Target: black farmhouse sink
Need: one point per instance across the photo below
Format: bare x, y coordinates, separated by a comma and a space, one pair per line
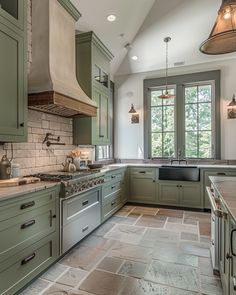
181, 173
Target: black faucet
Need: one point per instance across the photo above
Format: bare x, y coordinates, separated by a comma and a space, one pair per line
179, 160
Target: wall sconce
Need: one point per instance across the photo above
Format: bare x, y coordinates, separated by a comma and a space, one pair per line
232, 109
135, 115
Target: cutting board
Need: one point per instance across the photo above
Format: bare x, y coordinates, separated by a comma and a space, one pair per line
18, 181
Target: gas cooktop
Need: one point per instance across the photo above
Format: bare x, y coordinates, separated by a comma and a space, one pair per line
64, 176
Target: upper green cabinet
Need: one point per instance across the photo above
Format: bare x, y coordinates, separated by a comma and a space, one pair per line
12, 11
12, 74
92, 70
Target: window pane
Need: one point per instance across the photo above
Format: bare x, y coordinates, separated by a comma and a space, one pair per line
205, 116
205, 145
191, 117
155, 100
191, 94
204, 93
156, 119
168, 118
191, 144
168, 144
156, 144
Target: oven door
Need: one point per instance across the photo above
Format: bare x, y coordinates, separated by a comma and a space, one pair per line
80, 215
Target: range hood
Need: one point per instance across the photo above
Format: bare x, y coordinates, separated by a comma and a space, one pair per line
52, 83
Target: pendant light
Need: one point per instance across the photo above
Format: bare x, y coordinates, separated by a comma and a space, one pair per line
166, 94
222, 38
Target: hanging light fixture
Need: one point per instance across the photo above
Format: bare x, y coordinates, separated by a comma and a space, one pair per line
132, 110
232, 108
166, 94
222, 38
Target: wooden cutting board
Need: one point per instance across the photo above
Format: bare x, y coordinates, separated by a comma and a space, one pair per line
18, 181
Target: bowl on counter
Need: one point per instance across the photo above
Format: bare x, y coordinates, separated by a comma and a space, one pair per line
95, 166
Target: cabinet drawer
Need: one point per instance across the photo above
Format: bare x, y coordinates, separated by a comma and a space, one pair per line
80, 226
26, 203
113, 176
110, 189
112, 205
21, 268
19, 232
74, 207
143, 172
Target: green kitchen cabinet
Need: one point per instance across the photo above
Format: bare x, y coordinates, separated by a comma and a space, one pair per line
29, 234
13, 95
92, 70
168, 193
125, 185
184, 194
112, 193
142, 184
232, 279
12, 13
205, 173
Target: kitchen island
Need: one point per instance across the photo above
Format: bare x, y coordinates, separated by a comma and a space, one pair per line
223, 198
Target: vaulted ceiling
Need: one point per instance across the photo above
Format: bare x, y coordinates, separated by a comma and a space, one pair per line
144, 24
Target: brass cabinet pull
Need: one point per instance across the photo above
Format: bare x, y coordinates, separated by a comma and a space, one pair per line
27, 259
85, 228
113, 176
27, 205
113, 203
85, 202
27, 224
221, 173
113, 186
22, 124
143, 172
101, 136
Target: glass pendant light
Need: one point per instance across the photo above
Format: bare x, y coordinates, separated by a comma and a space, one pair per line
222, 38
166, 94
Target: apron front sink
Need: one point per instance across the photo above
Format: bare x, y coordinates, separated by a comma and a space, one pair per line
180, 173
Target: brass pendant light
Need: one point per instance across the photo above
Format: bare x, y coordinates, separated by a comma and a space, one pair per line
166, 94
222, 38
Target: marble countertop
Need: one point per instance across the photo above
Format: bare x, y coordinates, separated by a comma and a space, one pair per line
20, 190
120, 165
226, 188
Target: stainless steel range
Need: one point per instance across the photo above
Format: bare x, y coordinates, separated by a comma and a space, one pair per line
74, 183
80, 204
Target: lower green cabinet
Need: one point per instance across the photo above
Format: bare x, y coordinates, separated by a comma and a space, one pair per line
184, 194
22, 267
142, 184
29, 235
112, 191
168, 193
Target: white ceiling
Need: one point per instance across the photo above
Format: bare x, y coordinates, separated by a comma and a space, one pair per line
144, 24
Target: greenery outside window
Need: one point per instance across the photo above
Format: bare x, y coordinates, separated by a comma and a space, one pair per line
163, 135
187, 125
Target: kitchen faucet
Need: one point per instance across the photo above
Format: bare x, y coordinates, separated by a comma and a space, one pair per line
179, 160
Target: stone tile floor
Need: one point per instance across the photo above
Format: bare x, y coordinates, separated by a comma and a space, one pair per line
139, 251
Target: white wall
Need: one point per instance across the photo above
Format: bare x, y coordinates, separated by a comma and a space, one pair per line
128, 137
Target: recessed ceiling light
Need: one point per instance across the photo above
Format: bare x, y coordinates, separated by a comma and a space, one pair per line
134, 57
111, 17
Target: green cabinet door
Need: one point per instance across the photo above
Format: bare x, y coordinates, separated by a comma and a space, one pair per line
12, 88
142, 189
190, 195
168, 193
100, 124
232, 280
12, 11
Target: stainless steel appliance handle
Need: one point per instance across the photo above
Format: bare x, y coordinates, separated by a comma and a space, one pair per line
218, 212
234, 283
